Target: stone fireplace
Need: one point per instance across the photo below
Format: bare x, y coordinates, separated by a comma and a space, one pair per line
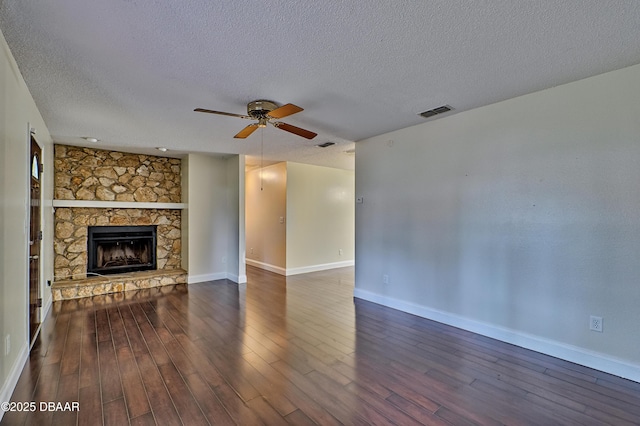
117, 222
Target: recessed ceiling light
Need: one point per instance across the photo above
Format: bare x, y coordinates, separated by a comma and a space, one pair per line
161, 148
92, 140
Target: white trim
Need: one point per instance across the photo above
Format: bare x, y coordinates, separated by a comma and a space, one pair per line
300, 270
557, 349
238, 279
11, 382
14, 374
44, 311
117, 204
319, 267
192, 279
266, 266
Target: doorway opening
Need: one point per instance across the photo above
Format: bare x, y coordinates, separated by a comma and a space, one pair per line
35, 240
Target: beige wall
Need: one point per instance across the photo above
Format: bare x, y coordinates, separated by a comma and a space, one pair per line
211, 228
320, 217
266, 204
18, 112
300, 218
236, 267
517, 220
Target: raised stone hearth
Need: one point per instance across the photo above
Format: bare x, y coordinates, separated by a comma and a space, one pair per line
95, 286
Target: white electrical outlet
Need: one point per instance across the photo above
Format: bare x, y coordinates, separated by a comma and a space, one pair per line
224, 259
339, 252
385, 279
595, 323
7, 344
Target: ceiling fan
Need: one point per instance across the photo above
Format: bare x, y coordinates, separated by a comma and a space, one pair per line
265, 112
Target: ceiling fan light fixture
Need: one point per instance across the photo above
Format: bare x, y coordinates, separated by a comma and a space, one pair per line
265, 112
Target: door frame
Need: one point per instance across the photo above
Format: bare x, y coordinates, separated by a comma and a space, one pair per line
33, 331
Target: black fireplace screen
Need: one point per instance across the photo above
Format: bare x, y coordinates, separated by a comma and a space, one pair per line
119, 249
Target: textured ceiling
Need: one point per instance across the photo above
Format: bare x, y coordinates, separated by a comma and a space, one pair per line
130, 72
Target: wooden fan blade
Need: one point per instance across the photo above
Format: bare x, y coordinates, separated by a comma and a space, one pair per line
230, 114
246, 131
284, 111
295, 130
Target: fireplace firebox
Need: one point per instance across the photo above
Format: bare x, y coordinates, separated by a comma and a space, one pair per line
119, 249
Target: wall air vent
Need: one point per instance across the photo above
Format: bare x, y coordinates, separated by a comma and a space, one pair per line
436, 111
325, 145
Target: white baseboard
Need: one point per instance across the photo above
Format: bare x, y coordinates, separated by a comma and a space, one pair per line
14, 374
300, 270
238, 279
557, 349
266, 266
47, 307
192, 279
320, 267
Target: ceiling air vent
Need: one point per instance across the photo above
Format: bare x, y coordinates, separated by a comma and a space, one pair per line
325, 145
436, 111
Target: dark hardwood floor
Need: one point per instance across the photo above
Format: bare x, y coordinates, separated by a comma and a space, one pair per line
298, 350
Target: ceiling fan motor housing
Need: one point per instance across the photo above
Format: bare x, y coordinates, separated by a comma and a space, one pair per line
259, 109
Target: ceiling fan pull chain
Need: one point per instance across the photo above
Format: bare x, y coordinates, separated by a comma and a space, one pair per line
261, 157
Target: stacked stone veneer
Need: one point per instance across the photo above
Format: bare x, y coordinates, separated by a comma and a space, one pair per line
93, 174
103, 176
71, 226
137, 282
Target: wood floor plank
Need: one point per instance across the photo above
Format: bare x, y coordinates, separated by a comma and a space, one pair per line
236, 407
187, 407
67, 394
269, 383
389, 411
297, 350
89, 370
135, 396
161, 403
91, 407
144, 420
154, 345
267, 414
211, 406
299, 418
115, 413
110, 382
134, 335
118, 333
